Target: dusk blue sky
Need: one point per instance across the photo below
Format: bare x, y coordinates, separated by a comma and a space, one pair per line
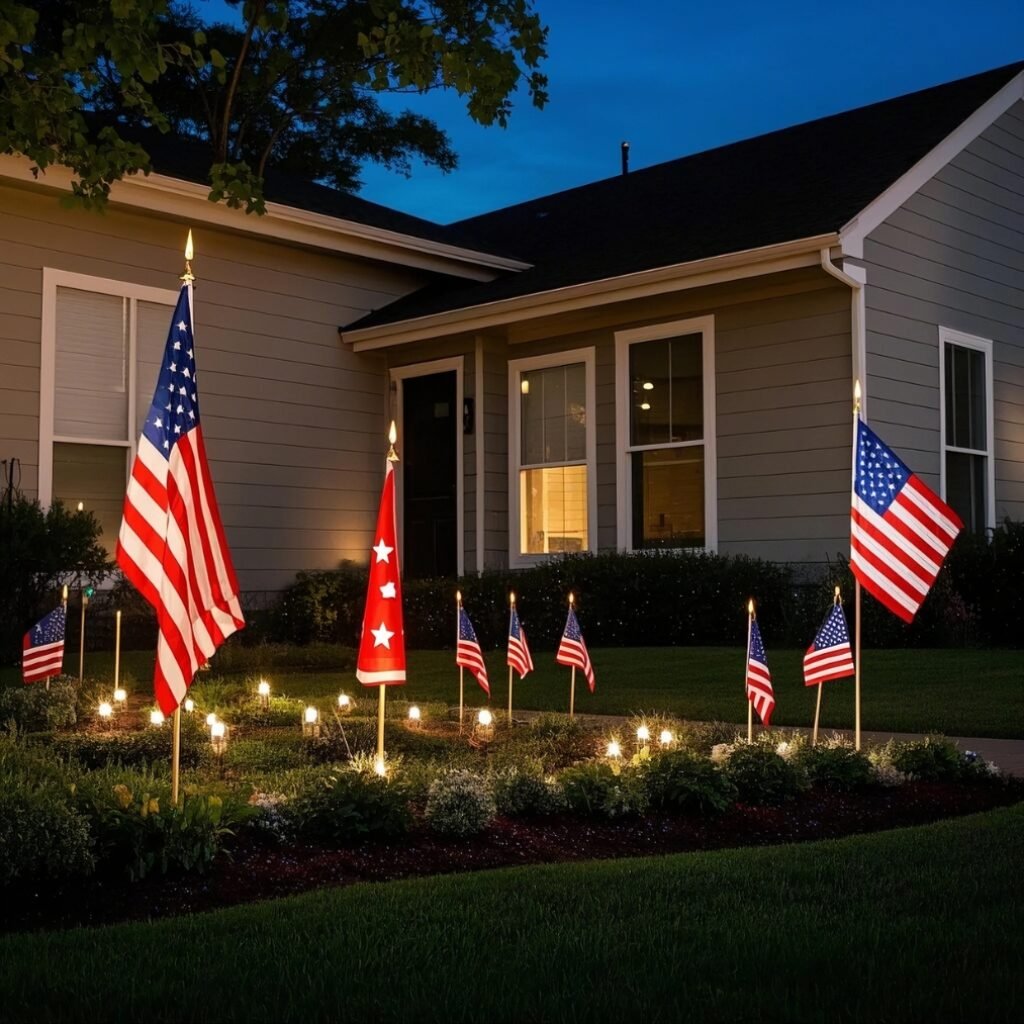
675, 78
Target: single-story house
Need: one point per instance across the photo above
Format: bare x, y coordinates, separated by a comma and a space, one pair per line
665, 358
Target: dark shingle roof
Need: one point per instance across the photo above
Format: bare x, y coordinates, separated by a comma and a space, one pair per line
795, 183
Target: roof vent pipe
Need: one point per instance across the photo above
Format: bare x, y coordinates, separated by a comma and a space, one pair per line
625, 159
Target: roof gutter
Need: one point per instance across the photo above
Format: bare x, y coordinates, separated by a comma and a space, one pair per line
769, 259
855, 278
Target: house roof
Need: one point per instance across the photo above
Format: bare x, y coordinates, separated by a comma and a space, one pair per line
799, 182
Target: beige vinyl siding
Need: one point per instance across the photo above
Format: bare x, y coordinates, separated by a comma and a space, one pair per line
292, 418
952, 255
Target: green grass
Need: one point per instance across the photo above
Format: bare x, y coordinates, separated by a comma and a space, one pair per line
956, 692
910, 925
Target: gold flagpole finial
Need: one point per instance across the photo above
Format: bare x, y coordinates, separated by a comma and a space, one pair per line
458, 597
750, 607
856, 397
512, 598
188, 277
572, 599
838, 599
392, 439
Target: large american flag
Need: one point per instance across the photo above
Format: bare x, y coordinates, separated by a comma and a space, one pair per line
829, 657
900, 529
171, 545
42, 648
518, 649
468, 653
759, 678
572, 650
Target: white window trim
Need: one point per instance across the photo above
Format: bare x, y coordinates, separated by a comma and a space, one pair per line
516, 559
949, 336
52, 280
705, 326
400, 374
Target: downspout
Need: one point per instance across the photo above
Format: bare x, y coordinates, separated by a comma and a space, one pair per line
854, 278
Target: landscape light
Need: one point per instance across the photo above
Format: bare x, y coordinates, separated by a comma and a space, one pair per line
414, 714
380, 767
219, 738
643, 734
311, 715
614, 750
665, 739
211, 718
156, 717
264, 688
120, 695
485, 718
105, 710
344, 702
190, 705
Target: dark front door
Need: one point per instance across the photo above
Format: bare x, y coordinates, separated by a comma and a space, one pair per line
430, 421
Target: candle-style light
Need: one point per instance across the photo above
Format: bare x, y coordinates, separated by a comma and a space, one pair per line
156, 717
190, 705
105, 710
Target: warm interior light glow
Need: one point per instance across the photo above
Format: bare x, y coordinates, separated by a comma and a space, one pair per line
524, 386
81, 506
156, 717
190, 705
414, 714
312, 714
189, 248
120, 695
648, 385
105, 710
344, 700
665, 739
614, 750
264, 688
392, 433
485, 717
643, 734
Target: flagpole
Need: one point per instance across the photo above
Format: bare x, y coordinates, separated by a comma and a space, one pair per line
512, 605
856, 583
117, 648
81, 640
746, 671
458, 609
392, 456
572, 684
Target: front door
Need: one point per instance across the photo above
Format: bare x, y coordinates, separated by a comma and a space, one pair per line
429, 421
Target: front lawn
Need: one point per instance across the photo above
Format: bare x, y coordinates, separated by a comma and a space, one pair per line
911, 925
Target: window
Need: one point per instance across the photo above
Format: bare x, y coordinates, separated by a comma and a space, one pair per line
665, 414
967, 466
552, 485
102, 342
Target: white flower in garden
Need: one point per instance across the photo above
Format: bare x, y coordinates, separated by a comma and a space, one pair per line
720, 752
784, 750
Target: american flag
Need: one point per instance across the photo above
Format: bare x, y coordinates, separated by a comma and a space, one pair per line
573, 651
468, 653
829, 657
518, 649
900, 530
42, 649
171, 545
759, 678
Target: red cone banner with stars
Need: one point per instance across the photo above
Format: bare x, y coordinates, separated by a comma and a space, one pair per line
382, 646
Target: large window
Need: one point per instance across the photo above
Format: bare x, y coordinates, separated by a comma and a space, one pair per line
666, 436
552, 456
102, 342
967, 467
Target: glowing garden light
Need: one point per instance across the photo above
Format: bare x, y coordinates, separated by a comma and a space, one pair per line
415, 714
156, 717
345, 703
105, 710
643, 734
190, 705
485, 718
263, 690
120, 696
380, 767
311, 722
219, 738
666, 738
311, 715
210, 719
614, 750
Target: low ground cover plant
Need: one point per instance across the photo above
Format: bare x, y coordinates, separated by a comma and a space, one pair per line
348, 805
686, 782
459, 803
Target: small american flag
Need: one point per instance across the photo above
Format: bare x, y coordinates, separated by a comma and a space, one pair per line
468, 653
829, 657
759, 678
43, 647
572, 650
171, 545
900, 529
518, 649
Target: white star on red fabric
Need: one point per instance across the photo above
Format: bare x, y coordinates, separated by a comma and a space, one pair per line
382, 551
382, 636
388, 590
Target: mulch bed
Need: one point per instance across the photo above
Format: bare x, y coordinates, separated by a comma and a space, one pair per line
257, 871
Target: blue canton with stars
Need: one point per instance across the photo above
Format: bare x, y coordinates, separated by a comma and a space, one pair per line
757, 651
466, 631
175, 408
49, 629
833, 632
515, 630
572, 628
881, 474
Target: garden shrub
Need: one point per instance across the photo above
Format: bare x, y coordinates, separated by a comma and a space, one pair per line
525, 794
682, 780
136, 749
265, 659
459, 803
703, 736
763, 776
602, 790
933, 759
248, 756
558, 742
280, 712
33, 708
349, 805
41, 836
836, 765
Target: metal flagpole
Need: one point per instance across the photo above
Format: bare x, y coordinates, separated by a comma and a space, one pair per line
572, 684
64, 602
117, 648
746, 670
458, 609
856, 584
81, 639
512, 605
382, 689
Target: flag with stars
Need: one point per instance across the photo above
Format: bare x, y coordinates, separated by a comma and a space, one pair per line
381, 660
900, 529
760, 692
829, 657
171, 545
42, 654
468, 652
572, 650
518, 649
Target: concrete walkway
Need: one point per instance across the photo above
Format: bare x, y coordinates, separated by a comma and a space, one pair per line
1007, 755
